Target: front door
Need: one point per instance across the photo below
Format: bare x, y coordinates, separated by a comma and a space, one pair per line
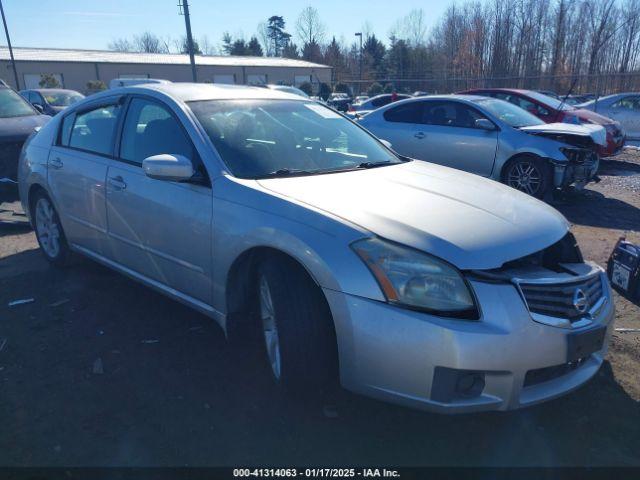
159, 229
449, 137
77, 170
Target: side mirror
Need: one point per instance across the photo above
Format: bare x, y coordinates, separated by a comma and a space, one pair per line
174, 168
38, 107
485, 124
386, 143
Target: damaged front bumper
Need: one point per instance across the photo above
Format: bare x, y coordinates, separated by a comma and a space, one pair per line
580, 169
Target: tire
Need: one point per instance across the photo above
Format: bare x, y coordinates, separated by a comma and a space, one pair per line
299, 338
530, 175
48, 229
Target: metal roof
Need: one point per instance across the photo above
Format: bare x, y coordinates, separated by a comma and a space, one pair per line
103, 56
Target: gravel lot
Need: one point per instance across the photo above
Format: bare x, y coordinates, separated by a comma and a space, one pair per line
100, 371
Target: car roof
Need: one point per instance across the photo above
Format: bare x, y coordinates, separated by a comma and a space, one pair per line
189, 92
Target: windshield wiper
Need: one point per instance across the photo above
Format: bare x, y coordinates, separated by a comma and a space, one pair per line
286, 172
374, 164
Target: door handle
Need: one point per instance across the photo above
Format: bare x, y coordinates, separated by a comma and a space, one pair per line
117, 183
56, 163
420, 135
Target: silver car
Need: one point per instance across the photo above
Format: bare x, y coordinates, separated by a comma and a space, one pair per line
405, 281
492, 138
622, 107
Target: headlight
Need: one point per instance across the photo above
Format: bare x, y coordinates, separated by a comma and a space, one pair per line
417, 280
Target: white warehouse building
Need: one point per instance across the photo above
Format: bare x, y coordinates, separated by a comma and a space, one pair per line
73, 69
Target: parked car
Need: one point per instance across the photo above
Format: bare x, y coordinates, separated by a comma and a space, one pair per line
51, 101
339, 101
128, 82
622, 107
288, 89
551, 110
360, 99
580, 98
18, 120
409, 282
549, 93
361, 109
420, 93
492, 138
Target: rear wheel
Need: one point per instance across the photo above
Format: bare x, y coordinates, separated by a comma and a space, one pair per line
48, 230
297, 327
528, 174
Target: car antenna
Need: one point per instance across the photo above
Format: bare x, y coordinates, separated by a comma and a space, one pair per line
564, 99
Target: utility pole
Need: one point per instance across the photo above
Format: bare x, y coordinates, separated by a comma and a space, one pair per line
184, 5
359, 34
13, 61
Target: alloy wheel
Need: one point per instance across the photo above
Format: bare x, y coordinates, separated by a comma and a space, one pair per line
270, 328
526, 177
47, 227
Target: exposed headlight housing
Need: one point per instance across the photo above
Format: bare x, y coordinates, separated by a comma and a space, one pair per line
416, 280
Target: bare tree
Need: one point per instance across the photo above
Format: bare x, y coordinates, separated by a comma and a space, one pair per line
121, 45
309, 27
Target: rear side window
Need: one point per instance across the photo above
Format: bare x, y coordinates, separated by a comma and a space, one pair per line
93, 130
407, 113
379, 102
150, 129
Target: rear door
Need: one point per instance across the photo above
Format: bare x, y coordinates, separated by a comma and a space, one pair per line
400, 125
159, 229
77, 170
448, 136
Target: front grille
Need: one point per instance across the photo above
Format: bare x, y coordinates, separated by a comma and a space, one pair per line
9, 153
559, 299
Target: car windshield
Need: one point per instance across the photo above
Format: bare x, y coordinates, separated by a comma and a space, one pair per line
62, 99
509, 113
13, 105
267, 138
549, 101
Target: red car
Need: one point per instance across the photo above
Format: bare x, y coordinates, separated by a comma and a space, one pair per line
551, 110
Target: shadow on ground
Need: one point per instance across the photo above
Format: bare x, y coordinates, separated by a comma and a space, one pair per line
99, 370
579, 209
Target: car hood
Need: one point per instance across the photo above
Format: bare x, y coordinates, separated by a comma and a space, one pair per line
597, 133
592, 116
15, 129
471, 222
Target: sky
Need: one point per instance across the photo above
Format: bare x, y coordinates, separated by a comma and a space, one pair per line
91, 24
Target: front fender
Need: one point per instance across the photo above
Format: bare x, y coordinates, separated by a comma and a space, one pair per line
246, 217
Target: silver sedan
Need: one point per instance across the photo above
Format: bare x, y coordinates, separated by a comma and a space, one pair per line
409, 282
492, 138
622, 107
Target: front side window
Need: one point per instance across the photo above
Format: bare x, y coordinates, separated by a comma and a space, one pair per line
150, 129
628, 103
13, 105
262, 138
93, 130
450, 114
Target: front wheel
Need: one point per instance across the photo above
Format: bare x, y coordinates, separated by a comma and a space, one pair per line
48, 230
529, 175
297, 327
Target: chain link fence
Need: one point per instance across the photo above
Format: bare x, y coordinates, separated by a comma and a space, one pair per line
599, 84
